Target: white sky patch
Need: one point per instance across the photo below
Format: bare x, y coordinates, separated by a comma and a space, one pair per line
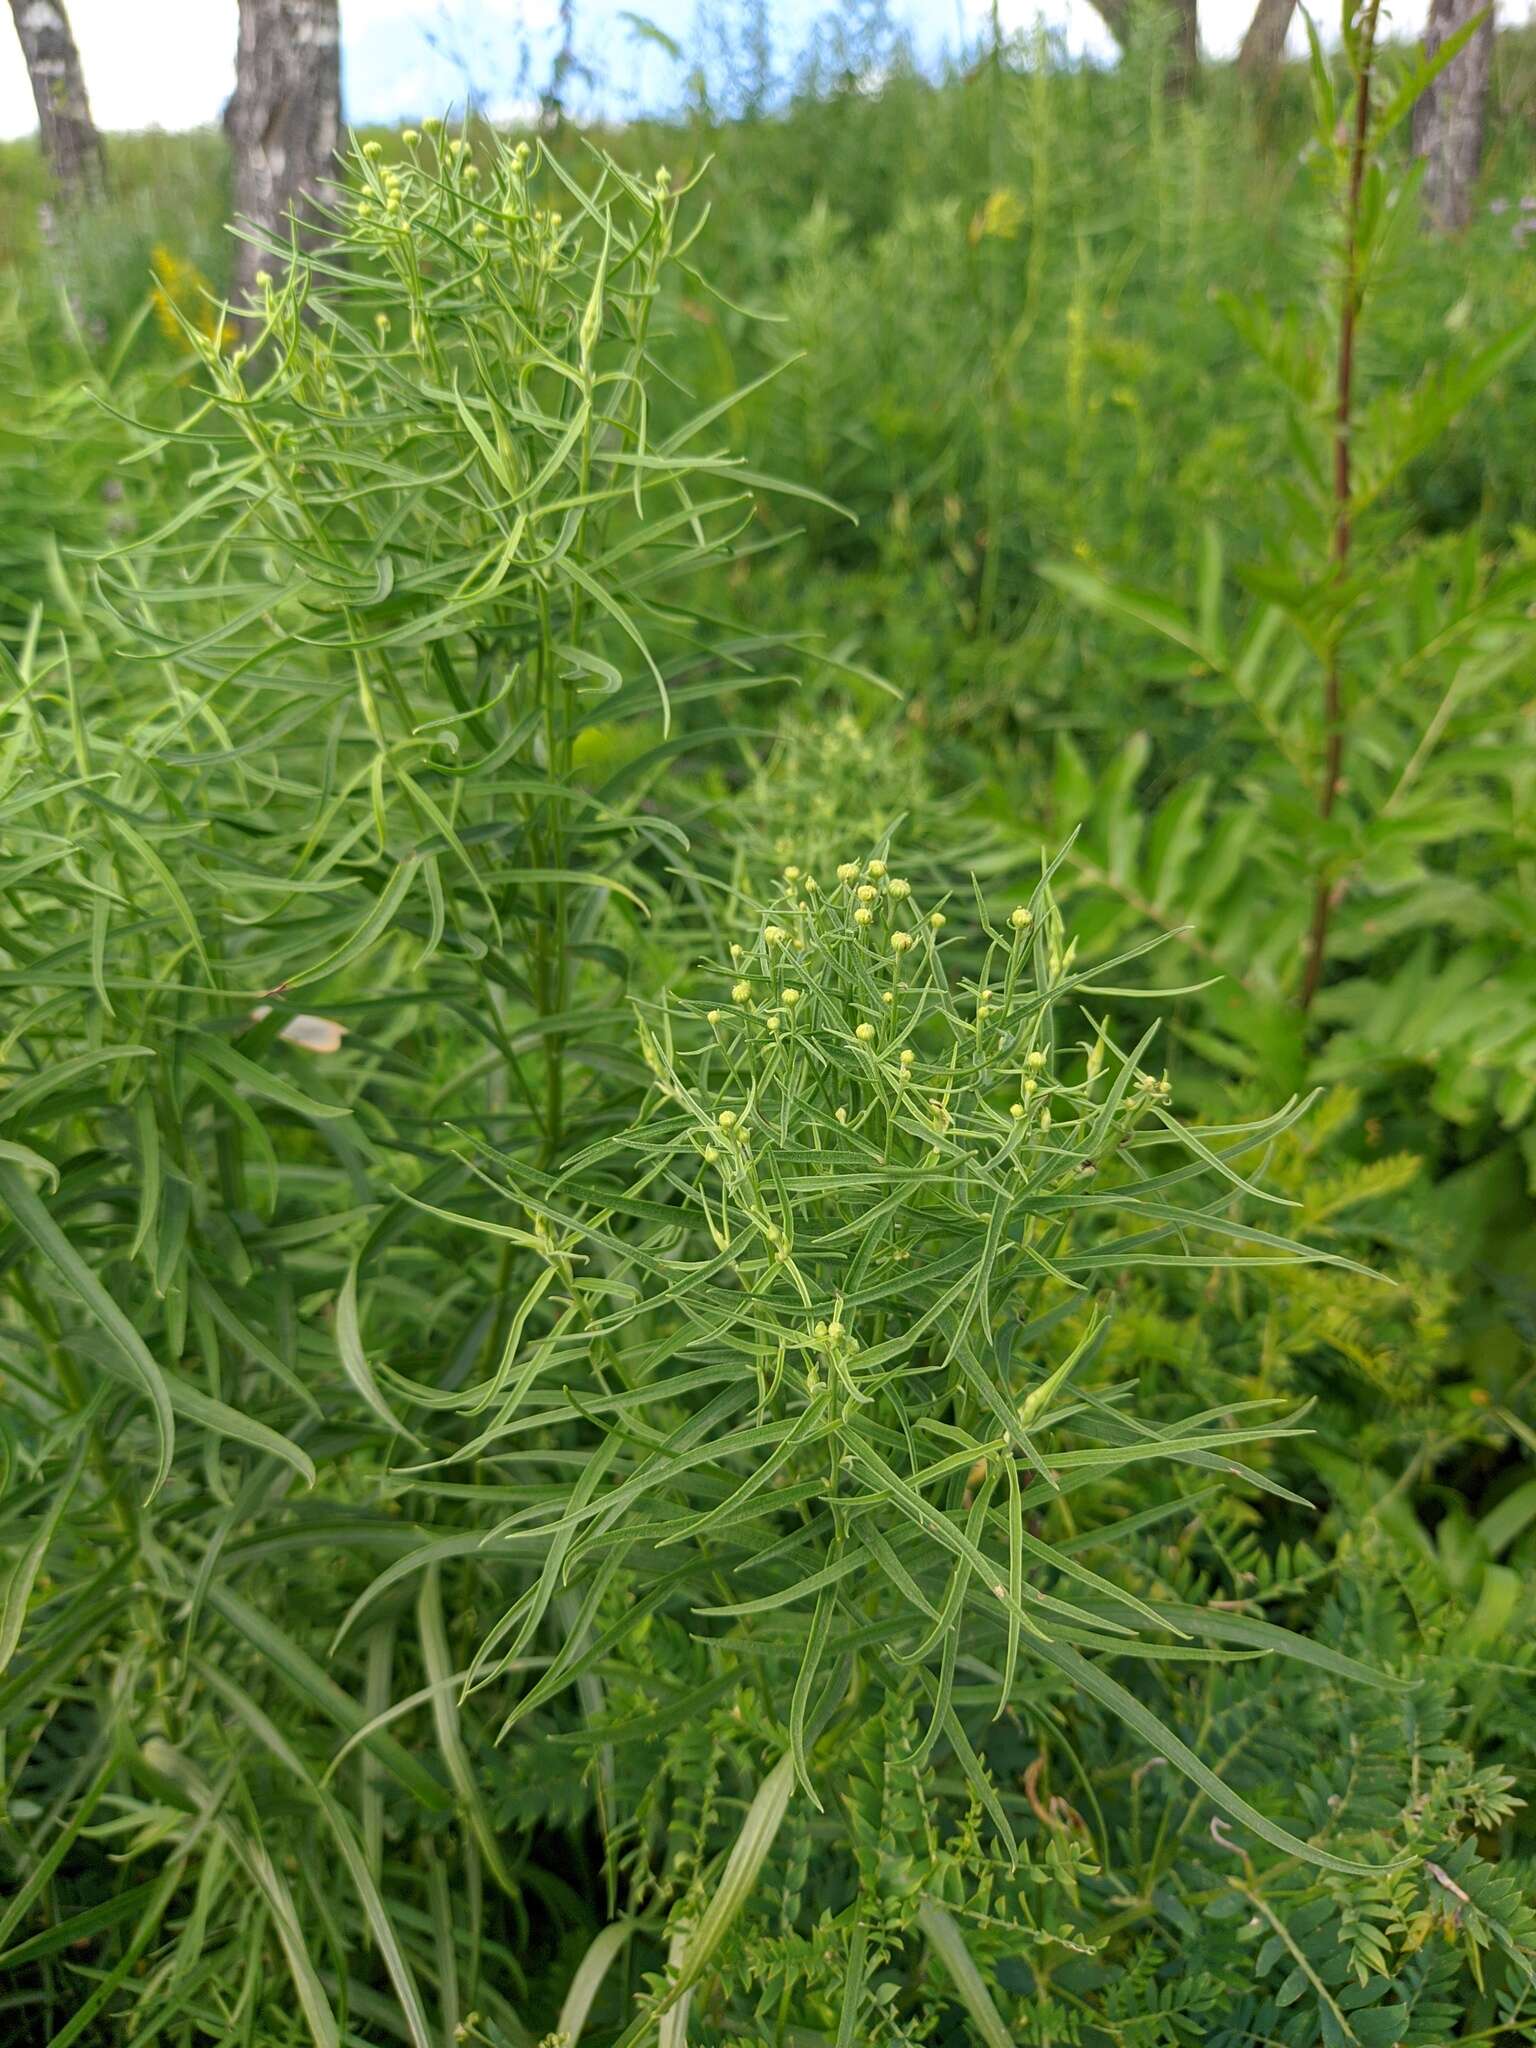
170, 63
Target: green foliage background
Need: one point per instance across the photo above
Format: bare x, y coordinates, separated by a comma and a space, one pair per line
697, 1343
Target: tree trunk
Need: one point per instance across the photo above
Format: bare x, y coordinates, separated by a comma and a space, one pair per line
1264, 43
1184, 47
71, 145
1448, 119
1120, 17
1116, 17
284, 120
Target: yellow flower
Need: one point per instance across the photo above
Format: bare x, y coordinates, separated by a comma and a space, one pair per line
900, 941
864, 1033
182, 293
774, 935
1015, 1109
847, 870
742, 992
791, 874
907, 1055
791, 997
727, 1119
900, 889
713, 1017
876, 869
865, 894
1021, 919
1036, 1059
863, 916
937, 920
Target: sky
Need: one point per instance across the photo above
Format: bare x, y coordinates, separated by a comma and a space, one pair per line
170, 63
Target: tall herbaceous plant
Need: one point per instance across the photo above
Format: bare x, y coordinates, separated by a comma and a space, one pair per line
447, 1398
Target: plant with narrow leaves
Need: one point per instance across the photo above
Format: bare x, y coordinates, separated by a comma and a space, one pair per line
817, 1329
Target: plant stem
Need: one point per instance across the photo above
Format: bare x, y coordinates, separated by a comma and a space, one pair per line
1342, 536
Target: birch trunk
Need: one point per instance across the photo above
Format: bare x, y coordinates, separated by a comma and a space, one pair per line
71, 144
1448, 120
1264, 43
284, 121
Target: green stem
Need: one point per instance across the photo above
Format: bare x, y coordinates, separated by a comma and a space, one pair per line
1341, 540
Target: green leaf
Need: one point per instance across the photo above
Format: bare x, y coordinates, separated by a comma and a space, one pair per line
948, 1944
32, 1219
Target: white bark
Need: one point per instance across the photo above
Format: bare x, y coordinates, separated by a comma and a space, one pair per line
1448, 120
69, 138
284, 121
